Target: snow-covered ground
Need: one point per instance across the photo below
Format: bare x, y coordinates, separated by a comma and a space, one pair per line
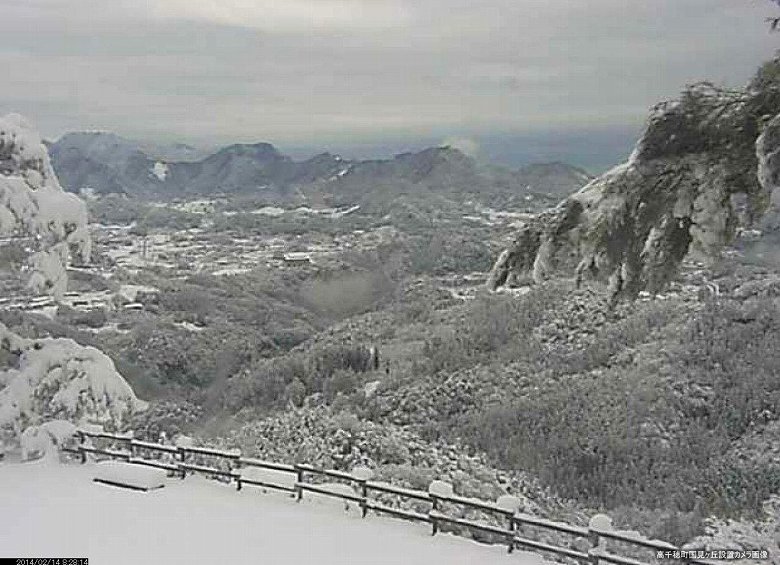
51, 509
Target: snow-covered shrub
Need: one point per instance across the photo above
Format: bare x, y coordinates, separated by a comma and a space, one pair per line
440, 488
44, 440
509, 502
32, 203
362, 473
58, 379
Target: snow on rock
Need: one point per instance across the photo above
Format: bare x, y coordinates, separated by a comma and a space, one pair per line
130, 292
269, 211
59, 510
32, 202
183, 441
132, 475
509, 503
768, 153
59, 379
91, 428
370, 388
362, 473
160, 170
603, 523
600, 522
440, 488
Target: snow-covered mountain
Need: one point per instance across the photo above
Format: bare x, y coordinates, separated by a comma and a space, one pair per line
108, 163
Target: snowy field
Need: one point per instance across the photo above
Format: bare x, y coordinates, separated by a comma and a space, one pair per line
51, 510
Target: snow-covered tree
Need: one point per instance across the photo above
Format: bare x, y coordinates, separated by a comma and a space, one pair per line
677, 194
32, 203
58, 380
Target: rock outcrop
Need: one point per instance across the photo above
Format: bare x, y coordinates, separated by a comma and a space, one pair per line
705, 163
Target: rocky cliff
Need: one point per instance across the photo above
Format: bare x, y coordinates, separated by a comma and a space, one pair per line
705, 164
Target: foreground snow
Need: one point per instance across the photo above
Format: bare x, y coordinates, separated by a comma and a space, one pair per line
50, 510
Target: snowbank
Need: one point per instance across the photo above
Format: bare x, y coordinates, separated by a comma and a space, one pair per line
46, 439
135, 476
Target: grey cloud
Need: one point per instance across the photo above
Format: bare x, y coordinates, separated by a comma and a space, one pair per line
335, 70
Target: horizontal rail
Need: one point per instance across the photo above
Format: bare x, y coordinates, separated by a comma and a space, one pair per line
105, 435
405, 514
154, 446
266, 465
265, 484
107, 452
525, 543
332, 473
438, 516
656, 545
211, 452
156, 464
400, 491
478, 504
611, 558
650, 544
326, 492
578, 531
208, 470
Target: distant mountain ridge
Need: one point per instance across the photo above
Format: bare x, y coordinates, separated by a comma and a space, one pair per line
108, 163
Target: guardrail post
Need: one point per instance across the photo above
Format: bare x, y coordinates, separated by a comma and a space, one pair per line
512, 528
182, 457
298, 482
82, 440
431, 514
364, 496
237, 467
594, 539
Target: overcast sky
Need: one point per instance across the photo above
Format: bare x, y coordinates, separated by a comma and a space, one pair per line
368, 73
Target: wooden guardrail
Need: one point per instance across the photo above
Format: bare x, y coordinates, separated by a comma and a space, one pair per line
513, 534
